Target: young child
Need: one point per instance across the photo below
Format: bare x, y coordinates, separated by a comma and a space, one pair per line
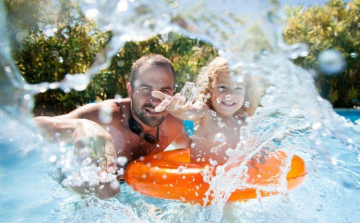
219, 110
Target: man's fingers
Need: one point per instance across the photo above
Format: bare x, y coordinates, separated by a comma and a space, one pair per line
177, 102
166, 99
159, 95
162, 106
110, 154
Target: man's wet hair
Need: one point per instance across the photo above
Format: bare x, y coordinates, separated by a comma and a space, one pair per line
150, 60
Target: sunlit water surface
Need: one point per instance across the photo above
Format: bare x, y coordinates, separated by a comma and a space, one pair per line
293, 117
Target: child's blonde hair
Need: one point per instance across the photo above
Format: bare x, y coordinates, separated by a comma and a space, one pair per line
209, 75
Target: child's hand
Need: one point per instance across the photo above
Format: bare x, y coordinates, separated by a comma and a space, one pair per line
171, 103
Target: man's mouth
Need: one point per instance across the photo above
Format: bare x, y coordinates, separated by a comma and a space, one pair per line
151, 111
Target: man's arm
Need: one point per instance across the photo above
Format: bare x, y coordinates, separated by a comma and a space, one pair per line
182, 139
81, 127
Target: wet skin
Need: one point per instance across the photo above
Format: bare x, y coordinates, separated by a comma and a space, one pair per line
207, 144
114, 139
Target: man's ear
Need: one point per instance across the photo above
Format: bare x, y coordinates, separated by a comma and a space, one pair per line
129, 89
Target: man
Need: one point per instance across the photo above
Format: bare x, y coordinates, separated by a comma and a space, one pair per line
126, 128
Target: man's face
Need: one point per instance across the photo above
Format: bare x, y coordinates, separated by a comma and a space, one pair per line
148, 79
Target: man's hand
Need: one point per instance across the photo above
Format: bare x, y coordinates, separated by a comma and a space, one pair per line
96, 143
174, 104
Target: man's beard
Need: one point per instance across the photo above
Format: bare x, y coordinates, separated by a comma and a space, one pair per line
147, 120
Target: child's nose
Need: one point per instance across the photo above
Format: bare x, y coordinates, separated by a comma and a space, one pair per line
228, 97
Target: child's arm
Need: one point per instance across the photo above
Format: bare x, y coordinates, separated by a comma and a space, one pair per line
176, 106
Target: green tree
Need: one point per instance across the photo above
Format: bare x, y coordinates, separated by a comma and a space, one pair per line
69, 46
334, 25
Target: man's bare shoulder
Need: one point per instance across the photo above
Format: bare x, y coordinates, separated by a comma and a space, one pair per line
115, 106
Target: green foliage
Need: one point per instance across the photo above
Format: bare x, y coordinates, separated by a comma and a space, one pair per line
72, 48
334, 25
73, 42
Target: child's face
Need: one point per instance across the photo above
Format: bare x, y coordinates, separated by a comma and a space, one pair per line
227, 96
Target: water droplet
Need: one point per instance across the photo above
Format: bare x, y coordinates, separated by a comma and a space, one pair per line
49, 32
8, 69
120, 171
213, 162
320, 207
27, 96
228, 97
246, 104
53, 85
180, 169
164, 176
121, 160
78, 82
105, 114
52, 159
353, 55
239, 122
347, 180
61, 59
114, 185
193, 145
122, 6
219, 137
120, 63
188, 76
218, 100
296, 50
316, 125
331, 62
20, 36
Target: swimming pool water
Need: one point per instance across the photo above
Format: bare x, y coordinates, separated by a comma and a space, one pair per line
30, 194
352, 114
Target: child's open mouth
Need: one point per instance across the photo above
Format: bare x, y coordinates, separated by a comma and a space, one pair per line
227, 103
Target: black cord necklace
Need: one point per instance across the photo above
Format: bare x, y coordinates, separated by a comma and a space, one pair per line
136, 128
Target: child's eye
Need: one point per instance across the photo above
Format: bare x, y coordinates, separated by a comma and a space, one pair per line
222, 86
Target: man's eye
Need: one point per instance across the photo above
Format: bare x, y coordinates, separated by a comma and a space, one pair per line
145, 90
166, 92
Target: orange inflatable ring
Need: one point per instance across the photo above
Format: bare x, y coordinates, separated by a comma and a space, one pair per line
161, 175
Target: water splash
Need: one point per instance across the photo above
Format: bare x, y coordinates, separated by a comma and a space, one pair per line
248, 35
331, 62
